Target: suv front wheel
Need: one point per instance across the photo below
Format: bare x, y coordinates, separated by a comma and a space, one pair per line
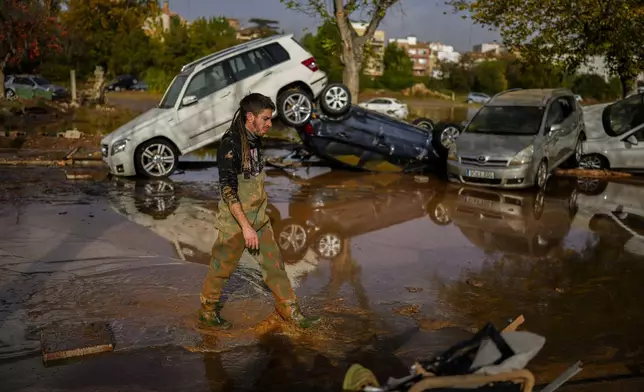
294, 107
155, 158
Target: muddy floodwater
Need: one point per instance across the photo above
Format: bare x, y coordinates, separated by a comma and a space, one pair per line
398, 270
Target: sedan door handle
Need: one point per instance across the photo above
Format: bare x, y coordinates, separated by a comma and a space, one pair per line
225, 95
269, 73
342, 135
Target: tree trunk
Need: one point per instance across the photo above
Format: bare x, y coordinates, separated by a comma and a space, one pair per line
629, 85
351, 76
2, 92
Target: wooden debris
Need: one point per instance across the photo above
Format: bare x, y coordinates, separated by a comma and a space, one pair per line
514, 324
68, 341
590, 173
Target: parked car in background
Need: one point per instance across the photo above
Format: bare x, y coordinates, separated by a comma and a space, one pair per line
122, 82
388, 106
140, 86
32, 85
200, 103
477, 98
615, 135
517, 138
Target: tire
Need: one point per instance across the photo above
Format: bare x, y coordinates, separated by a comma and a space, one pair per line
540, 180
292, 240
335, 99
469, 101
443, 135
10, 94
594, 162
424, 123
328, 245
295, 107
156, 198
539, 203
159, 149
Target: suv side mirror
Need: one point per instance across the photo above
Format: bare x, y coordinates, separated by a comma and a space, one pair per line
189, 100
632, 140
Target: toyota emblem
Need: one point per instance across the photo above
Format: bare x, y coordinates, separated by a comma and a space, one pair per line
482, 158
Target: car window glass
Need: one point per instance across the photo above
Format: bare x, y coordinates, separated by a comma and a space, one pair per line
243, 67
260, 59
209, 81
624, 115
23, 81
506, 120
277, 53
555, 113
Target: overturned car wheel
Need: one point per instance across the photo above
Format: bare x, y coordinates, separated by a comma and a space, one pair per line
335, 99
424, 123
444, 135
294, 107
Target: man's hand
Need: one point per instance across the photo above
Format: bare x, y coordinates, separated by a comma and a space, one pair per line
250, 237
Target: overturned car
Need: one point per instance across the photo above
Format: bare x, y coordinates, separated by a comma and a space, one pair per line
353, 137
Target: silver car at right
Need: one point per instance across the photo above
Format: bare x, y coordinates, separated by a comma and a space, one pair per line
518, 138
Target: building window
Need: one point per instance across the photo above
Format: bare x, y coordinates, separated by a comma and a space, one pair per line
422, 61
412, 51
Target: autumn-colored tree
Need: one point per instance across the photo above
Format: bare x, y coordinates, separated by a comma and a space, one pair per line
353, 44
569, 31
27, 29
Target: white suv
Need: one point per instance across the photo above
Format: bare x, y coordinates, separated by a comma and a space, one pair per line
199, 104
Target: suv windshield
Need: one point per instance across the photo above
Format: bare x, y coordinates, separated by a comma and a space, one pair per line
172, 93
507, 120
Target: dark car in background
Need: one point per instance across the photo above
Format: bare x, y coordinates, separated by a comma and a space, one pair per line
122, 82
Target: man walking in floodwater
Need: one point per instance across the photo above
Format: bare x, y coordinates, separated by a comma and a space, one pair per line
242, 221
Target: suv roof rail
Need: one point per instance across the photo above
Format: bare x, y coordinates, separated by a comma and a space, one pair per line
239, 47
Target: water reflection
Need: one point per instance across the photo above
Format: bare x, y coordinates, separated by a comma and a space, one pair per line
585, 297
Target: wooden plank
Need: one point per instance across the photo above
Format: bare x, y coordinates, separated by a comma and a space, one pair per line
68, 341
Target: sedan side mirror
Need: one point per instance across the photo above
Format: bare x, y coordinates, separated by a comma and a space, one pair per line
555, 128
632, 140
189, 100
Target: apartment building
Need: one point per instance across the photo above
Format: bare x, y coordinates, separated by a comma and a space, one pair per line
492, 48
376, 63
419, 52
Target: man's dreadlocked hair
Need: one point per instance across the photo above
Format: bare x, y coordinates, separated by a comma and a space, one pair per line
254, 103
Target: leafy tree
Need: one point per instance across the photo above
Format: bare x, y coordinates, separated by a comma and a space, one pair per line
398, 73
210, 35
27, 29
569, 31
104, 28
353, 44
489, 77
325, 46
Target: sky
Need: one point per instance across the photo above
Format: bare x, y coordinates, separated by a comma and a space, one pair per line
421, 18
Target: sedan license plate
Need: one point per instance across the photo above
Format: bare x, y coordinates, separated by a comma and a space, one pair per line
478, 202
480, 174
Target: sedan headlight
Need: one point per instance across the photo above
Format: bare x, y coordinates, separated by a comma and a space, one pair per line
119, 146
452, 155
523, 157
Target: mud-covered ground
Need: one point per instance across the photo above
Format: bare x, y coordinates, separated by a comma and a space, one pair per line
399, 271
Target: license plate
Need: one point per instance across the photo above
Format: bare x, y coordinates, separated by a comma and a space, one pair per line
480, 174
478, 202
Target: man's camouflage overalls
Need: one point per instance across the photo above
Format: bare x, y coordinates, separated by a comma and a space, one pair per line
248, 190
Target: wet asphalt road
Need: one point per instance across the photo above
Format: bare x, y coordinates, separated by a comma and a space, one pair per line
399, 271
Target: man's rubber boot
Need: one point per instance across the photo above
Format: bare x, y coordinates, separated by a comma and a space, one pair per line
210, 316
290, 312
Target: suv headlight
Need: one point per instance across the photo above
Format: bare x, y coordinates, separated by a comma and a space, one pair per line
119, 146
452, 155
523, 157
